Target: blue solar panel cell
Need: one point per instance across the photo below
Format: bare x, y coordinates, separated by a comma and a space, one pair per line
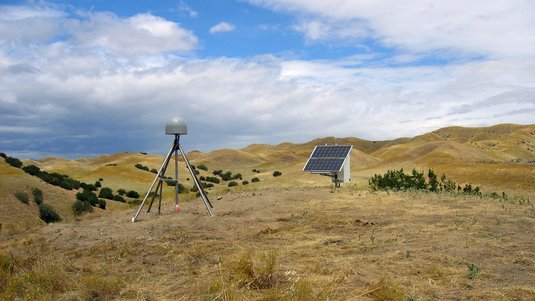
324, 164
327, 158
331, 151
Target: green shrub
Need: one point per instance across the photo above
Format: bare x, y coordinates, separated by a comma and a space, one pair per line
121, 191
154, 170
48, 214
202, 167
142, 167
102, 204
88, 196
254, 180
97, 184
14, 162
80, 207
32, 170
277, 173
119, 198
214, 180
106, 193
202, 178
89, 187
232, 183
132, 194
245, 182
22, 196
100, 179
37, 196
3, 155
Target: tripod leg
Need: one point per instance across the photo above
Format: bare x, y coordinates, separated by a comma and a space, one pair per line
177, 207
194, 176
160, 201
164, 164
159, 184
154, 195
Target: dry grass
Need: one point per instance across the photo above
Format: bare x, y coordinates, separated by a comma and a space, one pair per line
300, 244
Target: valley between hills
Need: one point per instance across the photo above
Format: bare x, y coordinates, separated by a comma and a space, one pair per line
289, 237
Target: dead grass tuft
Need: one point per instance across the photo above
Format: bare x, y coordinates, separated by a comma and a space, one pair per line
100, 288
386, 289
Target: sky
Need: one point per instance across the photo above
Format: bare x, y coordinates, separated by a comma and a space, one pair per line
83, 78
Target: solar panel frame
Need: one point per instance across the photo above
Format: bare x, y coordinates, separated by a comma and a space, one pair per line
327, 158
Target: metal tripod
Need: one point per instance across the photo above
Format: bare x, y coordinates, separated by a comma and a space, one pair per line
160, 178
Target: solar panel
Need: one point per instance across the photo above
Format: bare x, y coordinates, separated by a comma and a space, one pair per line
327, 158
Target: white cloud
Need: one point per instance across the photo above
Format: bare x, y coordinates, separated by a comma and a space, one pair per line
139, 34
234, 102
503, 28
21, 24
142, 33
184, 8
221, 27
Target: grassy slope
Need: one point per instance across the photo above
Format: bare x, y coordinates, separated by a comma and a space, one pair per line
23, 216
297, 244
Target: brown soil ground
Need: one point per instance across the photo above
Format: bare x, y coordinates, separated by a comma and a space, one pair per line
287, 244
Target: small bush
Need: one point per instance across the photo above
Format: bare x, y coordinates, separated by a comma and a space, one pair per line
245, 182
48, 214
119, 198
202, 178
254, 180
14, 162
106, 193
232, 184
23, 197
100, 179
132, 194
277, 173
121, 191
154, 170
88, 196
89, 187
3, 155
102, 204
80, 207
214, 180
202, 167
37, 196
142, 167
97, 184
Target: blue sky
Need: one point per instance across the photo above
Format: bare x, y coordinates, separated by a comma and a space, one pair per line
82, 78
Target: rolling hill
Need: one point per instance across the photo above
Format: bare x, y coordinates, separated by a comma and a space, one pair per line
497, 158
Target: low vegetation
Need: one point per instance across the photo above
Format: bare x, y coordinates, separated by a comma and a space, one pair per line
48, 214
37, 196
23, 197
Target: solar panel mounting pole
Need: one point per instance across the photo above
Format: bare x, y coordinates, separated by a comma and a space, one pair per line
174, 127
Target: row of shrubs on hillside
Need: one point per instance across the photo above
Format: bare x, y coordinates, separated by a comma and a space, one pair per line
399, 180
209, 181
